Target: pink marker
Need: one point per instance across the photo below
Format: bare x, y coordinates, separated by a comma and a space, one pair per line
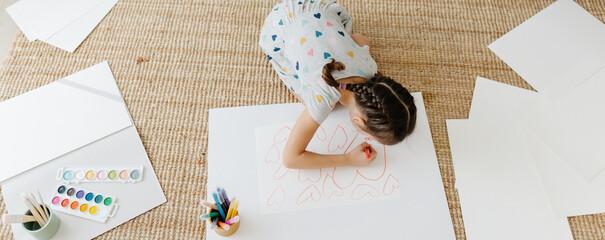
232, 220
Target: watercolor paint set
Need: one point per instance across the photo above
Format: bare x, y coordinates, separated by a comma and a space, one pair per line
83, 203
109, 173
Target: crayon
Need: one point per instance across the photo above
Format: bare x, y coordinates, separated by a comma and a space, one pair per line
367, 150
218, 203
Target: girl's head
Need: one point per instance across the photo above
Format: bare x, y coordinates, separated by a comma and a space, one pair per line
387, 109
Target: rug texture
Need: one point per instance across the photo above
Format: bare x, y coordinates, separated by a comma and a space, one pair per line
175, 59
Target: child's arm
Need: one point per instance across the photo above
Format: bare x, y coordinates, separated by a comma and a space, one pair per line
361, 40
296, 156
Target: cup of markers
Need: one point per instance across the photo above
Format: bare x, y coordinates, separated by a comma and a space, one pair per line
222, 214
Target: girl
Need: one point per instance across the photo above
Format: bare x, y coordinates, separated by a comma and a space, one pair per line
309, 44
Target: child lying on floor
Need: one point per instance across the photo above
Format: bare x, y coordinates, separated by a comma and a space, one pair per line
310, 45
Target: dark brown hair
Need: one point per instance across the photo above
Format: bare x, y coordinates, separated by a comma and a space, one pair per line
388, 107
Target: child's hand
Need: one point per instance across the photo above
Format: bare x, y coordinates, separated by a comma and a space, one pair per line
358, 158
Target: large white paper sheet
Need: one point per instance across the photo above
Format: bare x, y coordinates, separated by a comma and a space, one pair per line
283, 189
421, 212
568, 194
122, 147
573, 126
556, 50
502, 197
45, 18
55, 119
74, 34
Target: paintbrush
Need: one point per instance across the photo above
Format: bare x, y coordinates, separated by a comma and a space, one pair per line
8, 219
43, 205
33, 210
38, 206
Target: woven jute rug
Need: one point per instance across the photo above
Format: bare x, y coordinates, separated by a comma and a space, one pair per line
175, 59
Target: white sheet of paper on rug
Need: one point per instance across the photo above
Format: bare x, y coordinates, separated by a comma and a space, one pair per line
503, 196
555, 50
42, 19
573, 126
70, 37
568, 194
52, 120
115, 148
283, 189
483, 106
421, 213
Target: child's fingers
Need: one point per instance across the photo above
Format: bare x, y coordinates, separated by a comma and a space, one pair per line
365, 145
373, 153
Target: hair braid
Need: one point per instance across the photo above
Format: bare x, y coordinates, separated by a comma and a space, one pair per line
388, 107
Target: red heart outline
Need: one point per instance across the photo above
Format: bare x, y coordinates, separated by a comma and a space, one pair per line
369, 190
281, 136
273, 150
272, 198
335, 192
307, 178
338, 146
389, 183
310, 192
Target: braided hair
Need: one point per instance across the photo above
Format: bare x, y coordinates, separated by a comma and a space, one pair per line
388, 107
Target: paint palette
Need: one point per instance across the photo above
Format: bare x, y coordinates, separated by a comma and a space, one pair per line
117, 173
83, 203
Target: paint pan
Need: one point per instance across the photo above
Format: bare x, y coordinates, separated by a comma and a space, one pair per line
109, 173
83, 203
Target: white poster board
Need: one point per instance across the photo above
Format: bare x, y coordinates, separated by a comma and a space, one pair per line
421, 213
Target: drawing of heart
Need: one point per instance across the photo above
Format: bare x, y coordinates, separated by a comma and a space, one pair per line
277, 197
390, 185
330, 188
281, 172
344, 177
282, 134
313, 175
377, 169
273, 154
310, 192
320, 134
363, 190
339, 139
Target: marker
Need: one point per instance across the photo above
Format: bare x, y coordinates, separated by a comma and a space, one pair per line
218, 203
208, 215
367, 149
232, 220
235, 205
230, 212
209, 205
224, 195
223, 225
222, 201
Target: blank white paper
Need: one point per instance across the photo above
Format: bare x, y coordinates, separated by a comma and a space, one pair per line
45, 18
556, 50
573, 126
502, 197
568, 193
55, 119
74, 34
